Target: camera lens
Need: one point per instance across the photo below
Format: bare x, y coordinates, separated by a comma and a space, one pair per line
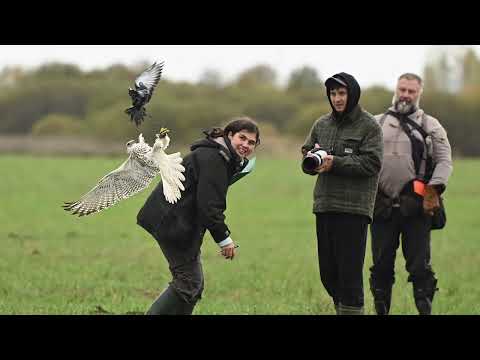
310, 163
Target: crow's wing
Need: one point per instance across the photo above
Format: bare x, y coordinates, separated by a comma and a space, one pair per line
128, 179
150, 77
171, 169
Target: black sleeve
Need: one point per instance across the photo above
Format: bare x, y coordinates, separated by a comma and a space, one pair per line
212, 193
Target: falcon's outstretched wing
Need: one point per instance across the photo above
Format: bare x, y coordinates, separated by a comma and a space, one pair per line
171, 169
128, 179
150, 77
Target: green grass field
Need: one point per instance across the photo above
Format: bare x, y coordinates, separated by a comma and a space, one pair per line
55, 263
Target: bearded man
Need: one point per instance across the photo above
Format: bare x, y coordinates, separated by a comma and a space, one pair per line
417, 164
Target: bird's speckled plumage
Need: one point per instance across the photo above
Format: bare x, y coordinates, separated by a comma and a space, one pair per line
134, 175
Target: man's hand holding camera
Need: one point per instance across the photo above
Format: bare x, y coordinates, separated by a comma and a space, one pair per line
326, 164
319, 157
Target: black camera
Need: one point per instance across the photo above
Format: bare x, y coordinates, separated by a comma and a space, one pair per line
313, 159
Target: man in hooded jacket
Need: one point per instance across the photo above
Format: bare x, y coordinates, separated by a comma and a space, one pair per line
345, 190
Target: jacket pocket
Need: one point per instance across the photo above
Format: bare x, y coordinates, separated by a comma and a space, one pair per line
348, 146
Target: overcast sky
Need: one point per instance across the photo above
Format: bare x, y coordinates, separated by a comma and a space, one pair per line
370, 64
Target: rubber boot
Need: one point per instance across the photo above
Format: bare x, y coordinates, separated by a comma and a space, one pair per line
423, 295
169, 303
382, 298
433, 289
349, 310
422, 302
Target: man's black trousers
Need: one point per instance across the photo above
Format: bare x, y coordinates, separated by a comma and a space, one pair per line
415, 231
341, 240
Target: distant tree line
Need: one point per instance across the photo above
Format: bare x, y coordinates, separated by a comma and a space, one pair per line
62, 99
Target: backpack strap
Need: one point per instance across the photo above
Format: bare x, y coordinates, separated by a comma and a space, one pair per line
409, 121
429, 164
417, 127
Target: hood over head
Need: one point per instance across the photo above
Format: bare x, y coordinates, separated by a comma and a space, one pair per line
353, 90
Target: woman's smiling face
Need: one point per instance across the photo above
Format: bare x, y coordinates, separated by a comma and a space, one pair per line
243, 142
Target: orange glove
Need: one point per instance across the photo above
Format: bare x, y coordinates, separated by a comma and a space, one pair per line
431, 200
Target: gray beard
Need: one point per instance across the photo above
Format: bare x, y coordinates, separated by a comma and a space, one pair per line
403, 107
